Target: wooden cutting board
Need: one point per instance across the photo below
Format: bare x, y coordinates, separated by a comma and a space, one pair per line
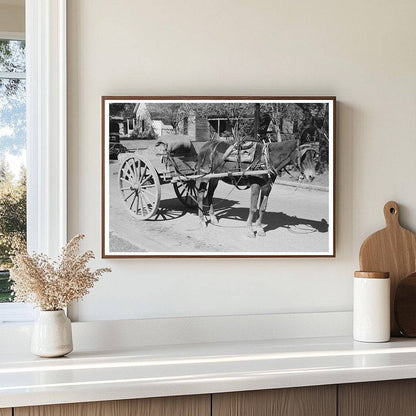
405, 306
393, 250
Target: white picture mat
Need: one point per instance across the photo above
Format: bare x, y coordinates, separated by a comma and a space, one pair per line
330, 252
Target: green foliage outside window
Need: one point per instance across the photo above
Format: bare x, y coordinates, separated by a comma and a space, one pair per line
12, 155
12, 223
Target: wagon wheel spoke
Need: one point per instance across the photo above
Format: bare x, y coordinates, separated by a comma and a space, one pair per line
183, 189
137, 204
145, 191
134, 171
147, 202
192, 196
132, 192
125, 180
139, 207
144, 175
145, 179
130, 174
189, 195
129, 171
141, 204
149, 197
139, 172
186, 192
132, 202
143, 197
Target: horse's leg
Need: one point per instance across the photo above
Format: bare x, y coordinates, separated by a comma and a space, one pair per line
264, 197
255, 191
213, 183
201, 186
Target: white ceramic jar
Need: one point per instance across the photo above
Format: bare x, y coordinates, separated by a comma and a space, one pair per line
371, 305
52, 334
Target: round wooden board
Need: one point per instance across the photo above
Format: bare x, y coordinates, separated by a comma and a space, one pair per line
405, 306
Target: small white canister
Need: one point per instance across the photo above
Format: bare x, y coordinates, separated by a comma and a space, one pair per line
371, 307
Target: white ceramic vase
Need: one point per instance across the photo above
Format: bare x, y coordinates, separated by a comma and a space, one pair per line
52, 334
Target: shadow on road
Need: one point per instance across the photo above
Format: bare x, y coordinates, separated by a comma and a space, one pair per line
171, 209
273, 220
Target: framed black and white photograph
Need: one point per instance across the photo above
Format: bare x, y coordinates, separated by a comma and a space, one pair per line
218, 176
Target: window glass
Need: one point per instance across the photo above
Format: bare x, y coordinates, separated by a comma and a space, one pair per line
12, 157
12, 56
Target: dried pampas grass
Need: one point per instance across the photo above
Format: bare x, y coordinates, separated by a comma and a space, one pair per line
53, 285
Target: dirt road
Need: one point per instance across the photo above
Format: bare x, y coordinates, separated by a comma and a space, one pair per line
297, 221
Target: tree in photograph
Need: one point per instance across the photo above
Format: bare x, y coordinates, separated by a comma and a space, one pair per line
239, 116
315, 127
124, 110
277, 113
315, 116
272, 109
173, 114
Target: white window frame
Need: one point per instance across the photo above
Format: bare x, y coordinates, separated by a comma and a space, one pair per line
46, 127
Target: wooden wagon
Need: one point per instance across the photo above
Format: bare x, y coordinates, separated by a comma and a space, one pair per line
140, 177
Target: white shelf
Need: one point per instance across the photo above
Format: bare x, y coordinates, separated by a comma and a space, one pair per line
150, 371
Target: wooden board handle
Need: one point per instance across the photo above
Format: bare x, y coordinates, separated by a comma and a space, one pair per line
391, 214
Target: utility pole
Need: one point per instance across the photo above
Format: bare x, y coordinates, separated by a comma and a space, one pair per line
256, 120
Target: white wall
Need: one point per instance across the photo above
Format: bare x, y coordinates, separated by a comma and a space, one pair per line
361, 51
12, 18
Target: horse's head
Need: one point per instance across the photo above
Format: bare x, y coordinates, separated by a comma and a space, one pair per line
307, 159
304, 156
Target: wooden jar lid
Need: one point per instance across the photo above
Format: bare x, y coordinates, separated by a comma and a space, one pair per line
372, 275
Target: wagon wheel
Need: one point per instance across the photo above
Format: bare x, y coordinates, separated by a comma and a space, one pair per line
140, 187
187, 192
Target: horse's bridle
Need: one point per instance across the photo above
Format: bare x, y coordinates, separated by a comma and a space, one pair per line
302, 149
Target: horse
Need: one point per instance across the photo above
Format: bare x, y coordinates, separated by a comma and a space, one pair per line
274, 156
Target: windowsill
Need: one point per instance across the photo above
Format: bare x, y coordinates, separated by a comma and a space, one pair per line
16, 313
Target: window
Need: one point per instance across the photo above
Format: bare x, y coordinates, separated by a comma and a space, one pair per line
45, 90
12, 154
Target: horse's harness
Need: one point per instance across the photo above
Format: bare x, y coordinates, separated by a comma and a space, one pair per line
301, 151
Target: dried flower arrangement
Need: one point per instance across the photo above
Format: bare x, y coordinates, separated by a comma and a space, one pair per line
53, 285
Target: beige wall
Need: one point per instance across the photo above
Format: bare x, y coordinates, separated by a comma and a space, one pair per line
361, 51
12, 18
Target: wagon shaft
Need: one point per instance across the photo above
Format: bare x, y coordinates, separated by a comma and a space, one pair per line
221, 175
